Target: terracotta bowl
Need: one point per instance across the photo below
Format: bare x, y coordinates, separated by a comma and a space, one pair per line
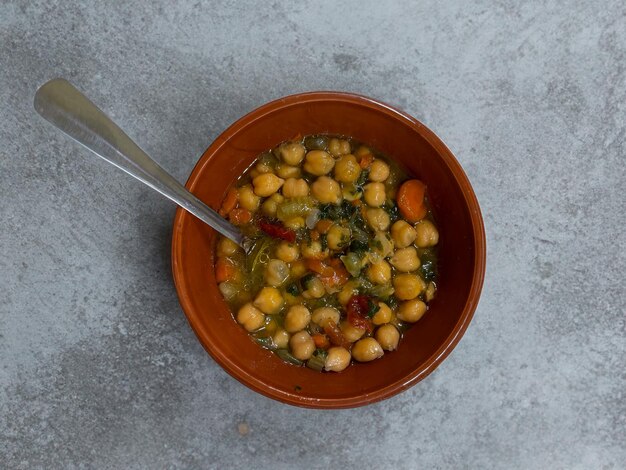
461, 250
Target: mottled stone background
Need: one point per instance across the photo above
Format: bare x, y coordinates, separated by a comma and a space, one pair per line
98, 366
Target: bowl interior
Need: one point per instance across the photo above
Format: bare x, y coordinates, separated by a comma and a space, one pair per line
461, 250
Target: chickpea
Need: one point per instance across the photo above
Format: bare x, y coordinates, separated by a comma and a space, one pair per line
338, 359
405, 259
351, 333
267, 184
430, 291
313, 250
347, 169
297, 318
295, 187
269, 300
298, 269
287, 252
362, 151
302, 345
295, 223
379, 171
247, 198
281, 339
427, 234
338, 237
408, 286
383, 314
411, 310
263, 167
388, 337
379, 272
276, 272
250, 317
227, 247
315, 289
288, 171
326, 190
374, 194
270, 205
403, 234
324, 314
292, 153
383, 244
318, 162
338, 147
366, 350
349, 289
377, 218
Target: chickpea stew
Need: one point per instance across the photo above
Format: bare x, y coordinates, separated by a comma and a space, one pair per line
344, 255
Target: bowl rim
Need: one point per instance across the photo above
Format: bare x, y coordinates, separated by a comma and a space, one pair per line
432, 362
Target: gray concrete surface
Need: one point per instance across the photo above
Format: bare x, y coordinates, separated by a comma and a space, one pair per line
98, 367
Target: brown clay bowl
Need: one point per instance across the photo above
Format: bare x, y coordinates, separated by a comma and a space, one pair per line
461, 250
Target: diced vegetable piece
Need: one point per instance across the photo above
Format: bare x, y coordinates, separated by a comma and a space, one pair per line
295, 207
288, 357
358, 307
410, 200
335, 335
225, 270
240, 216
230, 202
317, 360
352, 262
321, 341
277, 230
319, 267
316, 142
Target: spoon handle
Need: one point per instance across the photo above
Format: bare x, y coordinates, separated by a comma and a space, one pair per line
60, 103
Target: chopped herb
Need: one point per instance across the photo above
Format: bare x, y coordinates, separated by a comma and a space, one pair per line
372, 308
306, 279
428, 267
392, 302
358, 245
323, 241
392, 209
362, 177
297, 388
382, 291
292, 289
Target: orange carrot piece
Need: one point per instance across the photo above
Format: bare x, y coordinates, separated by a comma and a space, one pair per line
320, 340
319, 267
366, 160
225, 270
335, 335
230, 201
410, 199
240, 216
339, 275
323, 225
315, 235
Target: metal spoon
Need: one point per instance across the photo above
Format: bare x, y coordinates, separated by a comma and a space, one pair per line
60, 103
